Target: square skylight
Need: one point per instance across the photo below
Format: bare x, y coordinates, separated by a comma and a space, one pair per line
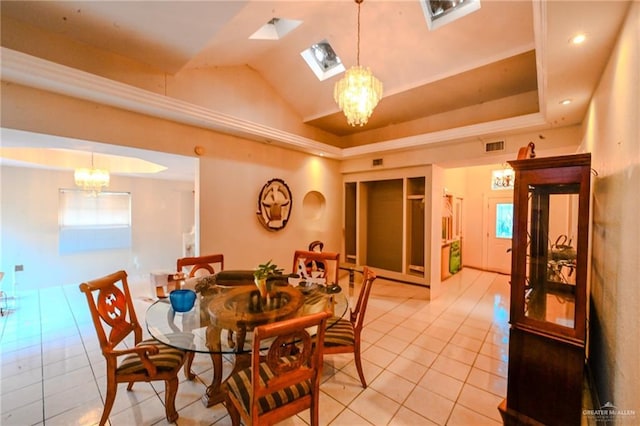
442, 12
322, 60
275, 29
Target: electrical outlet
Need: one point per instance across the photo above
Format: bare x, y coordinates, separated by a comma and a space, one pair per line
19, 268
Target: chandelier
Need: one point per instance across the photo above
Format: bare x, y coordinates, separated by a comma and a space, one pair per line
91, 179
359, 91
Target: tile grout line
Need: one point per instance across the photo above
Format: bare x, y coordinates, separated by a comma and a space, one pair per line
477, 353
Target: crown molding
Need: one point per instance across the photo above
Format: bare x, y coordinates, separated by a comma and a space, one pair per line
529, 121
27, 70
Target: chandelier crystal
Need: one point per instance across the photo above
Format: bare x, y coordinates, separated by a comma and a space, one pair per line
357, 94
359, 91
91, 179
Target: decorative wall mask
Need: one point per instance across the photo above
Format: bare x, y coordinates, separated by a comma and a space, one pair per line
274, 205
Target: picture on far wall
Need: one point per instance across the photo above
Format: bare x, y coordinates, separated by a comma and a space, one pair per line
274, 205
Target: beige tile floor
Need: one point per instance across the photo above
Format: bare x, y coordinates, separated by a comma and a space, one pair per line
439, 362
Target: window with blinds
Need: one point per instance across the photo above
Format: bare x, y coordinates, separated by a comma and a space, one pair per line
93, 221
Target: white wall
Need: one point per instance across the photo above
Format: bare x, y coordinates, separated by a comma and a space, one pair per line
612, 135
162, 211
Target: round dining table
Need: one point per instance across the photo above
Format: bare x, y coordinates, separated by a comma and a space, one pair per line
222, 322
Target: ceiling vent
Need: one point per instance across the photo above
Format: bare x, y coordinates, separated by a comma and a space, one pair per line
495, 146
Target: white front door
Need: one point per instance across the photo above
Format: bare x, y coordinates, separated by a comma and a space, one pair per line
498, 233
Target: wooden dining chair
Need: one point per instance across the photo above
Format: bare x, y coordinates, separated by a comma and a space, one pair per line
201, 263
286, 381
314, 264
129, 361
343, 336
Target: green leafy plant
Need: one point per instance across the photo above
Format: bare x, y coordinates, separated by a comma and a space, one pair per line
267, 270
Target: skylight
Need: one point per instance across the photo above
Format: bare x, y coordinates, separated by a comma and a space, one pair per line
275, 29
322, 60
442, 12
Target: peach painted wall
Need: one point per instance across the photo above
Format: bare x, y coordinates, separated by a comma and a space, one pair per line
612, 135
230, 183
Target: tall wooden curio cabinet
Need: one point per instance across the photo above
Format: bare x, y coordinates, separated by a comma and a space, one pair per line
547, 346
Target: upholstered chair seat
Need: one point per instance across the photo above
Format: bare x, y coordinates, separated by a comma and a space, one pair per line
285, 380
341, 333
167, 359
240, 385
343, 336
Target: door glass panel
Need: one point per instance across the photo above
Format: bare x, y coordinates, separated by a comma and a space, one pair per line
504, 220
551, 278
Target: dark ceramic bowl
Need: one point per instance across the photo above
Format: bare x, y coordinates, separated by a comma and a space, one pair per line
182, 300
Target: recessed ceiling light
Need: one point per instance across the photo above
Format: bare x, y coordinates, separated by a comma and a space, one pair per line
565, 102
578, 38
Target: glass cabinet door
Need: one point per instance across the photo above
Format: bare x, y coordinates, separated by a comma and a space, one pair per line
550, 288
550, 240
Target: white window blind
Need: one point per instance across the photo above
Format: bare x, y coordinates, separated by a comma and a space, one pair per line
90, 221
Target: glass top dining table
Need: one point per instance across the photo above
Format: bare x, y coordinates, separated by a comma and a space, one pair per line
222, 322
234, 312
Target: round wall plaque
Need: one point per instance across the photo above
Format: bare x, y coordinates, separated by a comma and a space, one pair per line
274, 205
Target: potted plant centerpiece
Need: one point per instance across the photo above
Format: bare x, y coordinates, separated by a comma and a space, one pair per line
263, 275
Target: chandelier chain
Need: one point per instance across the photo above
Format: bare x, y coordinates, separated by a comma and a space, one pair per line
359, 91
358, 45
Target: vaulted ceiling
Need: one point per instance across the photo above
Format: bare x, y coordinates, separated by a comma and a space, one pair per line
501, 69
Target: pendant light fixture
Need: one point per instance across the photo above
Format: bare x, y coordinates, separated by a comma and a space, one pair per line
91, 179
359, 91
